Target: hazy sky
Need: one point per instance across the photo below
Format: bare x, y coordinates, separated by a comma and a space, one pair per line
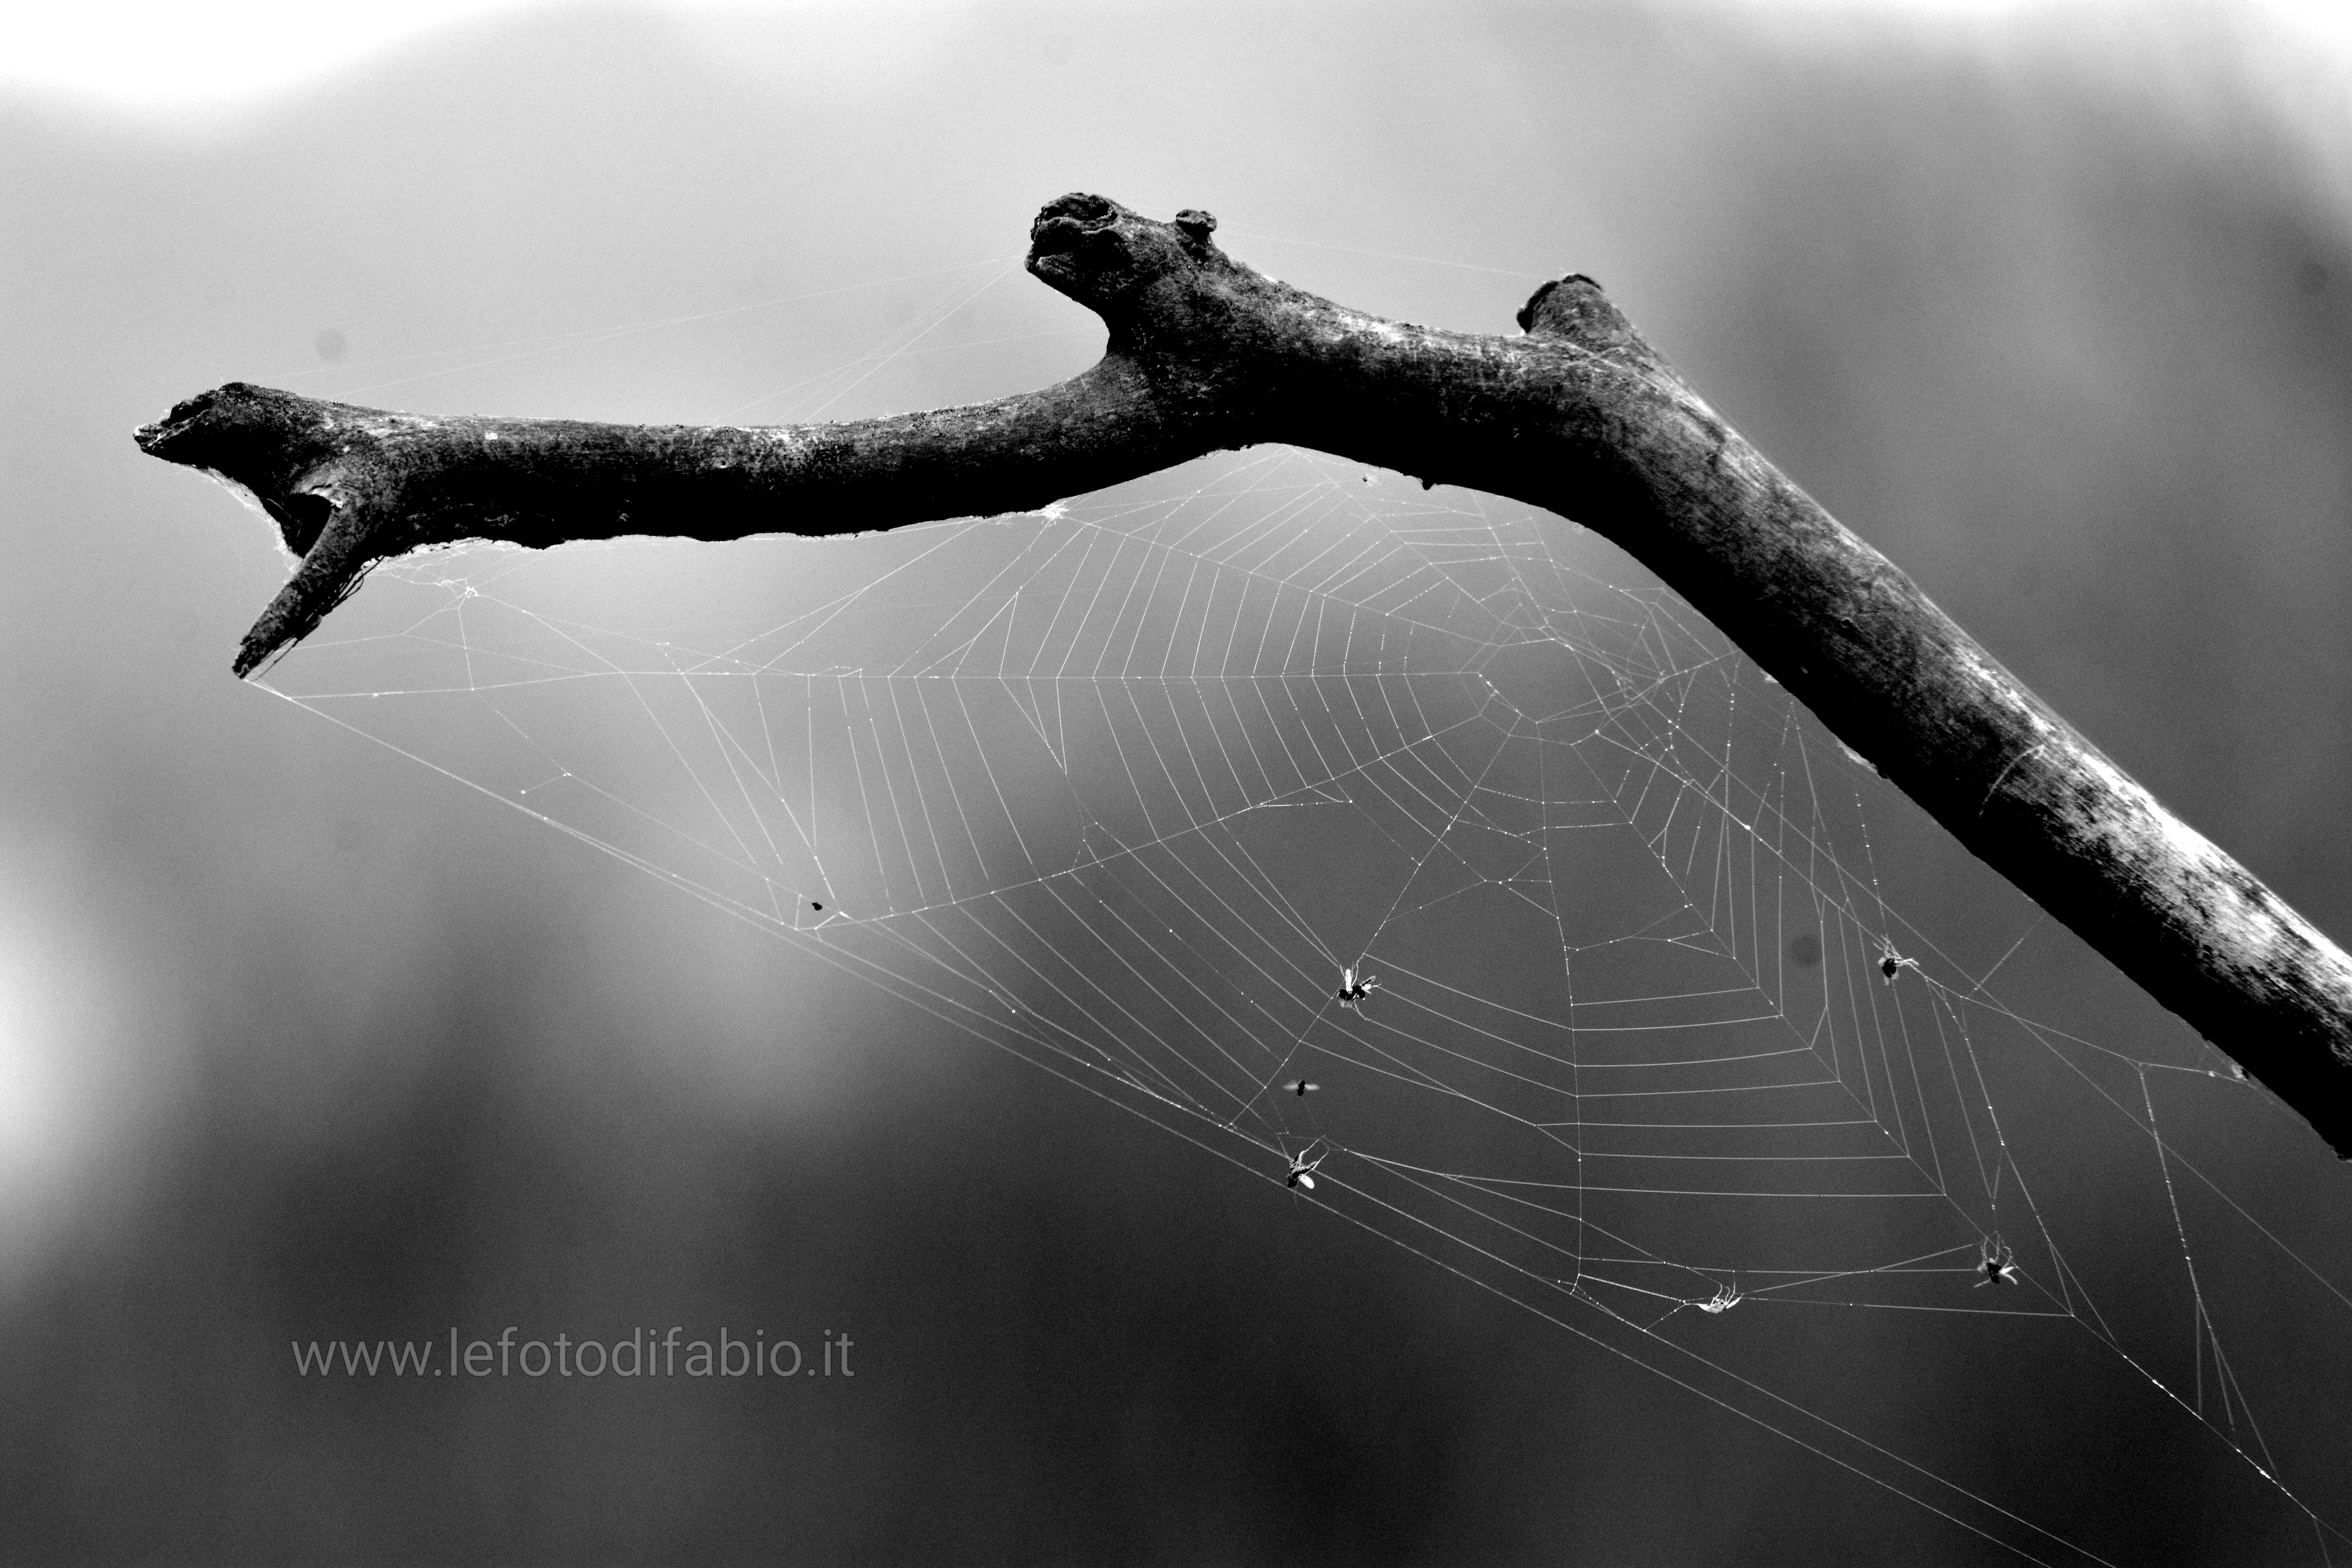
158, 58
299, 1039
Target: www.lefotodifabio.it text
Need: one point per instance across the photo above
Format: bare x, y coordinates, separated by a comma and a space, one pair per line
646, 1353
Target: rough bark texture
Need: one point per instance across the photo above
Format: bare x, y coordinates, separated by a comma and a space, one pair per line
1578, 415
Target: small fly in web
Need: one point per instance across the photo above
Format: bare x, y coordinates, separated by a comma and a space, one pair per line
1353, 990
1997, 1262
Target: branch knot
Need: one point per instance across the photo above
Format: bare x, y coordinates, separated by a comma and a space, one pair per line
1106, 256
1574, 308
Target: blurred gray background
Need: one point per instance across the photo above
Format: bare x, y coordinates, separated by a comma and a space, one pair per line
298, 1040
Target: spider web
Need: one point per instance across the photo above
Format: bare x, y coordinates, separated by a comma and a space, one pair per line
1132, 786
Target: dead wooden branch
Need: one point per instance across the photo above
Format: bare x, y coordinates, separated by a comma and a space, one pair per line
1578, 415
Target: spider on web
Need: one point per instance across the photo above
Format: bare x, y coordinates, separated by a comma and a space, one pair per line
1725, 1296
1353, 990
1891, 962
1997, 1262
1302, 1168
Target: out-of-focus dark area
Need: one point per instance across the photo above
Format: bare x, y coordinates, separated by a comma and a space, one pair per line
300, 1041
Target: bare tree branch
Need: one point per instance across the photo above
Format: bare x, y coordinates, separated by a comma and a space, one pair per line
1578, 415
